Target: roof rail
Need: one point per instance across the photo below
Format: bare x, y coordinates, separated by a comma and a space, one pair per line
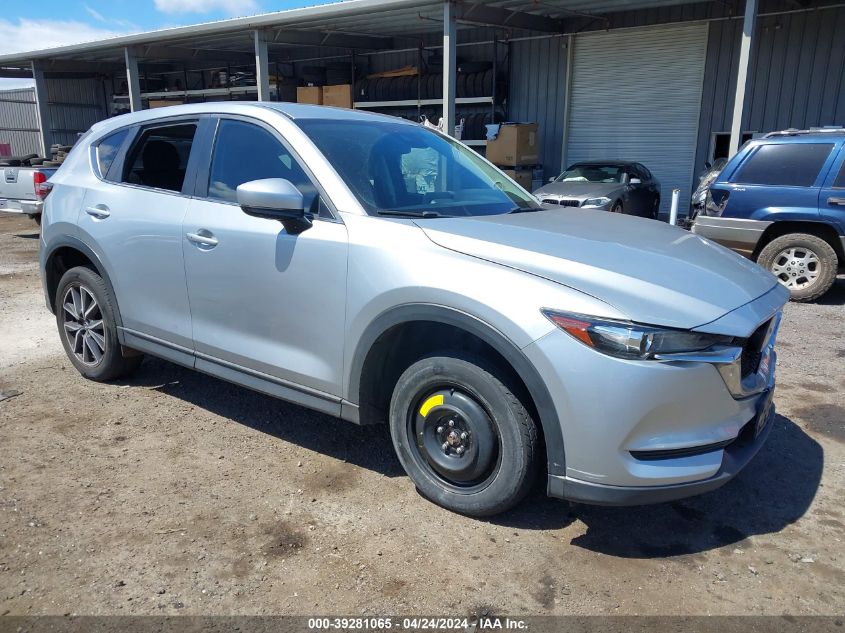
828, 129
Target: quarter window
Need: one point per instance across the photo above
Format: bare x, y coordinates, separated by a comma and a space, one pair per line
789, 164
245, 152
159, 157
107, 150
839, 183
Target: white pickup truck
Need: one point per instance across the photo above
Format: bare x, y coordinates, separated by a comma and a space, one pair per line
23, 189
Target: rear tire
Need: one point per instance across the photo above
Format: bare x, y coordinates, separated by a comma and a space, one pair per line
463, 437
617, 207
87, 327
804, 263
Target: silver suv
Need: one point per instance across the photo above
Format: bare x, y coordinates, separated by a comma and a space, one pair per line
376, 270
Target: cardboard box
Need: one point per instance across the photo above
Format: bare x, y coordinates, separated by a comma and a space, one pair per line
309, 94
339, 96
163, 103
515, 145
521, 176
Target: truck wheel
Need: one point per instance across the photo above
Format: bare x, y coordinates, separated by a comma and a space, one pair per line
804, 263
85, 318
463, 437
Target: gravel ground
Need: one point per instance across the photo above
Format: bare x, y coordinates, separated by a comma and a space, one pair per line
174, 492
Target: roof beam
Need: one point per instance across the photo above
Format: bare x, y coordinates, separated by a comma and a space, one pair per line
157, 52
479, 13
330, 38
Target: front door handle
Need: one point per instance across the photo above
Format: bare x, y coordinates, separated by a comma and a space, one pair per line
98, 212
835, 200
202, 238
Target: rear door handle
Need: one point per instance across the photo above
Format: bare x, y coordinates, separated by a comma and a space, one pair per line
835, 200
202, 238
100, 212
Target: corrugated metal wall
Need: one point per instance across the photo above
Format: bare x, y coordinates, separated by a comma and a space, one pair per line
18, 121
74, 105
537, 91
797, 75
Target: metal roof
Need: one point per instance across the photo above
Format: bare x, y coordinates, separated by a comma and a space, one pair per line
361, 24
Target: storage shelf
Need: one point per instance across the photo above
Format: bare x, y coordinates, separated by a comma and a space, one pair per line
413, 103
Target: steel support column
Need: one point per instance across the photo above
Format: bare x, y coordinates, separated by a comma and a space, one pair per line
133, 81
450, 40
742, 74
45, 137
262, 68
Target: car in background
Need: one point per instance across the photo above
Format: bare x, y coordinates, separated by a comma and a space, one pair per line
705, 179
615, 186
781, 202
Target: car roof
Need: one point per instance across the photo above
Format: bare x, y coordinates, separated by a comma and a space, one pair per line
613, 163
294, 111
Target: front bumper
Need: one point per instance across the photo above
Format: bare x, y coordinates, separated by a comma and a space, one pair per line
648, 431
734, 458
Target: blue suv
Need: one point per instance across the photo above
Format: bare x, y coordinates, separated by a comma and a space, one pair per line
781, 202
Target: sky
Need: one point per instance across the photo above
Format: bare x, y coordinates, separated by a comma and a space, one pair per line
28, 26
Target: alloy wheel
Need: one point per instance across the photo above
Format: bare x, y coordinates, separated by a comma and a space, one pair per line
83, 325
797, 267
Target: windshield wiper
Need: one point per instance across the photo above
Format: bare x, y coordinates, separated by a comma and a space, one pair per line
525, 209
410, 214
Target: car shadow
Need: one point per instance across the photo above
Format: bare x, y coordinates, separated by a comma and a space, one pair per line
773, 491
369, 447
836, 295
28, 236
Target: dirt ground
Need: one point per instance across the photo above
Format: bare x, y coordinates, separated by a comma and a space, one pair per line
175, 493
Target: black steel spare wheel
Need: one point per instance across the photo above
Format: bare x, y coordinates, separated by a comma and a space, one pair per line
463, 436
454, 437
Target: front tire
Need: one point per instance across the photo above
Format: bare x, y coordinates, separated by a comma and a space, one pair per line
804, 263
87, 327
617, 207
463, 437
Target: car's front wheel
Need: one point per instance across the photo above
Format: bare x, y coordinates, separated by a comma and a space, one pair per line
617, 207
464, 438
87, 327
804, 263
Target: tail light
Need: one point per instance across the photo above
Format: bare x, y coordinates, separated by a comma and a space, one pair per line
715, 202
42, 187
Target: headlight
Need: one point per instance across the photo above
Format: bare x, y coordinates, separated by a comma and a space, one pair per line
632, 341
596, 202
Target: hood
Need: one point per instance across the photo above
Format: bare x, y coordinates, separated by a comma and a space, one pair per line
653, 272
580, 190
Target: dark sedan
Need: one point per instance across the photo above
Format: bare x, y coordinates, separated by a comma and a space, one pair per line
616, 186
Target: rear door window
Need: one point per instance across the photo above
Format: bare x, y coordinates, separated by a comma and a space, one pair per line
839, 183
159, 157
786, 164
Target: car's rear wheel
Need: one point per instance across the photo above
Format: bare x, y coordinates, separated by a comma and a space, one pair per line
617, 207
804, 263
87, 327
463, 437
655, 208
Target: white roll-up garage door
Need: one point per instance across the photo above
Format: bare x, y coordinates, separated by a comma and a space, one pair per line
636, 95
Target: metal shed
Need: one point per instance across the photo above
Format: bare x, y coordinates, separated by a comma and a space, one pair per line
750, 66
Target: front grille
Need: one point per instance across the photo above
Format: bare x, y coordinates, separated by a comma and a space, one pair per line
564, 202
752, 351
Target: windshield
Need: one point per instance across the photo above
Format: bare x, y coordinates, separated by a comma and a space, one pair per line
593, 173
410, 170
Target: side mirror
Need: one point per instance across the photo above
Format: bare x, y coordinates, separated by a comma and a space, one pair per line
635, 181
275, 199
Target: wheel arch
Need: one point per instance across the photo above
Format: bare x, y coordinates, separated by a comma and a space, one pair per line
822, 230
69, 252
370, 351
